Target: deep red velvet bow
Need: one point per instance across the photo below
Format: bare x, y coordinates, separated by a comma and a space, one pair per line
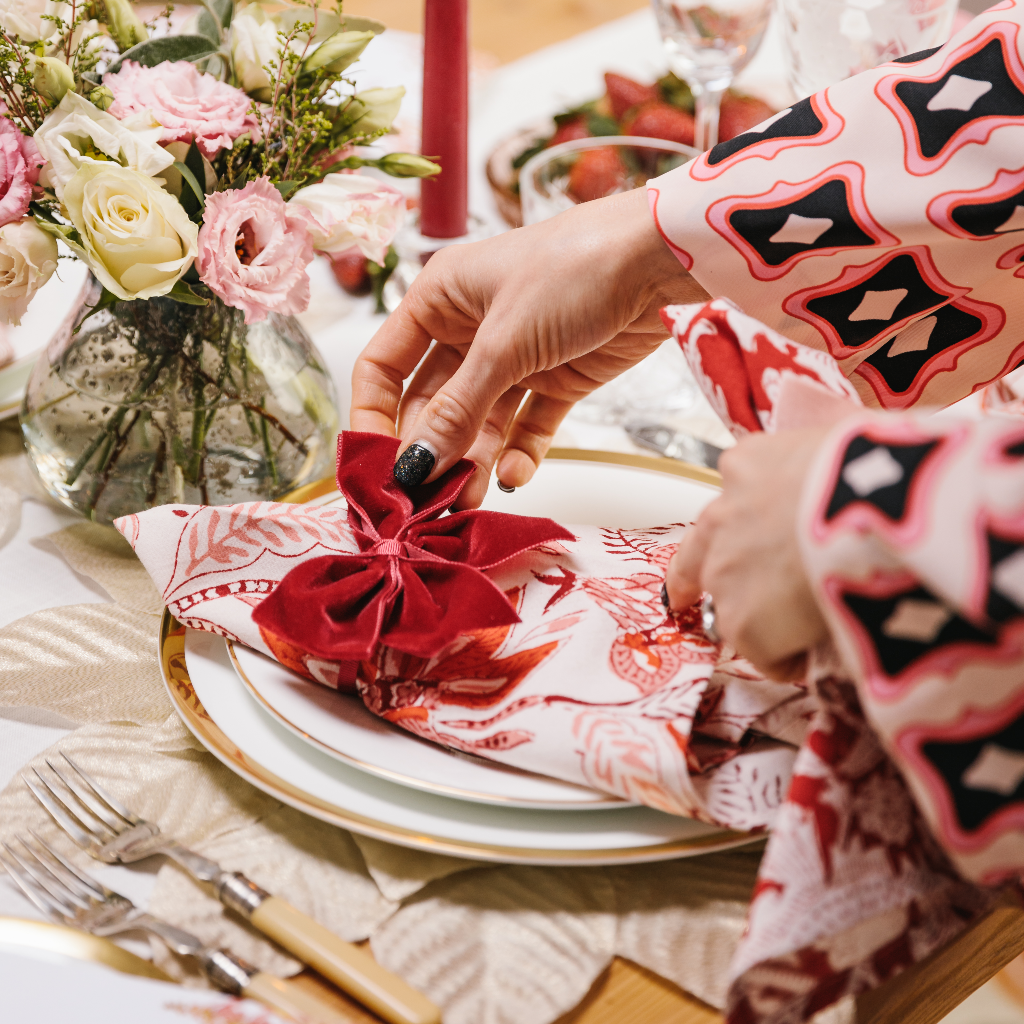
418, 581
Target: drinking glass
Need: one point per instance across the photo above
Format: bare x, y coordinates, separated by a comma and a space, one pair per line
825, 41
708, 41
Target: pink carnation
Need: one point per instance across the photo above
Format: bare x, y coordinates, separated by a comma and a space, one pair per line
254, 249
188, 104
19, 171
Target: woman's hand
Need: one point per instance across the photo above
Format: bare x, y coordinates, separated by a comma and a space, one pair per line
548, 312
744, 551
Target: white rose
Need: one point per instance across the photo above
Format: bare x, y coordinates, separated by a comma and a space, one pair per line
253, 42
135, 237
353, 210
28, 258
26, 18
75, 132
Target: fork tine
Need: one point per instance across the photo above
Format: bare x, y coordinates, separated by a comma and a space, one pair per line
91, 885
58, 866
38, 898
46, 881
62, 815
92, 804
111, 802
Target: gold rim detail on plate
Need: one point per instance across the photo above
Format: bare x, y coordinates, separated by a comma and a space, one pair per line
194, 715
608, 803
17, 932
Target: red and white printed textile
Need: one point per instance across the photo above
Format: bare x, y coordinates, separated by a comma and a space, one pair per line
597, 684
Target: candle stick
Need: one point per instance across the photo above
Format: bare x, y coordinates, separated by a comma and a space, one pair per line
444, 200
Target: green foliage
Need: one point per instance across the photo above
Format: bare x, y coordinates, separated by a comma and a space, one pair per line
156, 51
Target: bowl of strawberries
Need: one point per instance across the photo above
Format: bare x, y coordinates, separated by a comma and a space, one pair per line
662, 110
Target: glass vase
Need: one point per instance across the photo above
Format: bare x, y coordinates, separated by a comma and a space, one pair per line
154, 401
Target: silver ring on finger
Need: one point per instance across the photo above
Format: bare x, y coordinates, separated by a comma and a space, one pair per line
707, 619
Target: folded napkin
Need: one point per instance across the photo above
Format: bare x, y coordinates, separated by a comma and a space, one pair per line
510, 637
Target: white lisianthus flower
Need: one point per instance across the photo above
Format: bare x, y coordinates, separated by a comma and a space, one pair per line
253, 42
353, 210
135, 237
75, 132
30, 19
28, 258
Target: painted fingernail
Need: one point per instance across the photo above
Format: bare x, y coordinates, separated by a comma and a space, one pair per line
415, 464
505, 488
664, 594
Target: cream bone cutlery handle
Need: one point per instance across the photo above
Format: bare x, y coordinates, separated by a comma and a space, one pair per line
291, 1002
352, 970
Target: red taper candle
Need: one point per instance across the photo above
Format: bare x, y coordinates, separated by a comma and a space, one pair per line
444, 200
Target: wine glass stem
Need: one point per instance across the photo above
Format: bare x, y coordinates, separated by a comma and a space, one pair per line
708, 103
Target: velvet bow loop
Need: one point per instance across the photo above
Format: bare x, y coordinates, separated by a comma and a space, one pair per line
417, 582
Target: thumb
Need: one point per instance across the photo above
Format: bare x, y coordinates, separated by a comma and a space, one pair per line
449, 423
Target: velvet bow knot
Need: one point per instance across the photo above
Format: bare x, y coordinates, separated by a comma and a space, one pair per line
417, 581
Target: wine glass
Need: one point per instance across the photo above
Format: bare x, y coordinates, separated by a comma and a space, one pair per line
825, 41
708, 41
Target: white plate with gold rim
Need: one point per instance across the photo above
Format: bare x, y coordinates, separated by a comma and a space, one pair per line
342, 727
620, 490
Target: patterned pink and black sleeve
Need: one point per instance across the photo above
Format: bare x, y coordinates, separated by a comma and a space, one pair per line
881, 220
913, 536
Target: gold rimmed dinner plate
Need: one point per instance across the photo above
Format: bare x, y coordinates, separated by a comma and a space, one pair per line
21, 935
220, 711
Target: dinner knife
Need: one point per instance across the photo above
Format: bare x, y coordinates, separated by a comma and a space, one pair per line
674, 444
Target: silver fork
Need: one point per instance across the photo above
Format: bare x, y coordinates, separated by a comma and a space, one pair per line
69, 896
103, 827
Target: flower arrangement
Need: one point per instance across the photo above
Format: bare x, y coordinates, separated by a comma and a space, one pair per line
196, 174
220, 156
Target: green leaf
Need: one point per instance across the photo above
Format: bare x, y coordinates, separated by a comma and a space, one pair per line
63, 231
156, 51
223, 10
190, 179
539, 145
599, 124
181, 292
107, 300
286, 188
209, 27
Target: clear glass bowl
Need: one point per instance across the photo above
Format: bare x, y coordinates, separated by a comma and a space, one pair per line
559, 178
153, 401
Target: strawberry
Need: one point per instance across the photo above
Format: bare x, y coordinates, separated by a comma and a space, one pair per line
624, 93
573, 128
596, 173
657, 120
740, 113
350, 272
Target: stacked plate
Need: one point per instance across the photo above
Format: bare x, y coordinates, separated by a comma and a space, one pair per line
324, 753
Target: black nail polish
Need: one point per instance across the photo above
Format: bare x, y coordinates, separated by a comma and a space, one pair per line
664, 594
414, 466
505, 488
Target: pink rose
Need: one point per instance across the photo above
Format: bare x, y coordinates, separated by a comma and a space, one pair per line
254, 249
19, 171
188, 104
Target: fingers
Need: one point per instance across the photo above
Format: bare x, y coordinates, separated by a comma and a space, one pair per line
448, 424
682, 581
532, 433
381, 369
487, 447
438, 367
